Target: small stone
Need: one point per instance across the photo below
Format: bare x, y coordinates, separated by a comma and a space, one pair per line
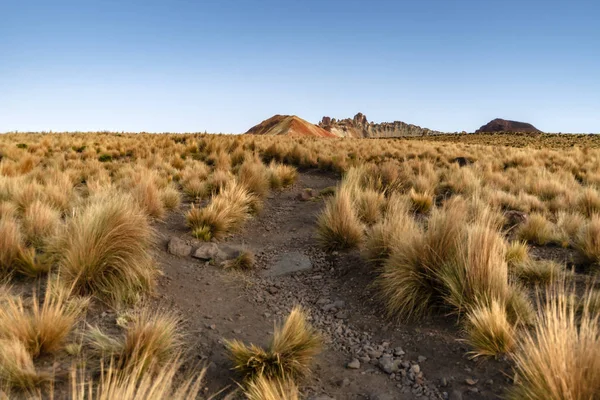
178, 247
387, 365
444, 382
346, 382
489, 382
416, 368
398, 351
341, 314
354, 364
455, 395
471, 382
207, 251
421, 359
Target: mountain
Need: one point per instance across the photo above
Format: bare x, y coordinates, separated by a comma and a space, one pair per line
360, 127
288, 125
503, 125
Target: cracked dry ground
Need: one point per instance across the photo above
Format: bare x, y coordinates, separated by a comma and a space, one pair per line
389, 360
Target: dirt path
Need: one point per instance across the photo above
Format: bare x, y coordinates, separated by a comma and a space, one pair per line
397, 361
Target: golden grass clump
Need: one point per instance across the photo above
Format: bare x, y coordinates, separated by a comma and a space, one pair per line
589, 202
537, 229
289, 354
136, 385
16, 367
539, 272
104, 251
338, 226
489, 330
560, 359
263, 388
150, 341
516, 252
281, 175
254, 176
245, 261
147, 195
41, 329
225, 213
587, 242
40, 223
370, 205
170, 197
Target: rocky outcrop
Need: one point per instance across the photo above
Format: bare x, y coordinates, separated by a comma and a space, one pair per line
503, 125
290, 125
360, 127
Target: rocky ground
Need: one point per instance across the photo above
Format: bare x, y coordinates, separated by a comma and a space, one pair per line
366, 355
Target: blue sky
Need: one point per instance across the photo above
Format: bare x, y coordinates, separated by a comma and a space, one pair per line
224, 65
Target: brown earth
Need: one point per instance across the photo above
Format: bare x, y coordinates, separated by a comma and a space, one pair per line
338, 292
290, 125
503, 125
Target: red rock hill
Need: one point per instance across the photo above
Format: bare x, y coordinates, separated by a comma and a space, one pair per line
503, 125
288, 125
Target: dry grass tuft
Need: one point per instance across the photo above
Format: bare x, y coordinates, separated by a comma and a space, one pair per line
489, 330
40, 223
104, 251
421, 202
263, 388
338, 226
290, 353
561, 358
136, 385
587, 243
517, 252
255, 177
539, 272
150, 341
537, 229
16, 367
225, 213
41, 329
171, 198
245, 261
281, 175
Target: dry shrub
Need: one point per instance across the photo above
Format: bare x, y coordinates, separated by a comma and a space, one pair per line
338, 226
537, 229
587, 242
41, 329
489, 330
170, 197
16, 367
14, 256
150, 342
254, 176
568, 226
560, 359
104, 251
289, 354
263, 388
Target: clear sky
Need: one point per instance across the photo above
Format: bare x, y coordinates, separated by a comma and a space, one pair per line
224, 65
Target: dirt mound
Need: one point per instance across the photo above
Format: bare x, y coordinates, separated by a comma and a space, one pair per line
503, 125
290, 125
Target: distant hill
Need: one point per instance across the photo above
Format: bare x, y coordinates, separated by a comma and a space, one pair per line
288, 125
360, 127
503, 125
